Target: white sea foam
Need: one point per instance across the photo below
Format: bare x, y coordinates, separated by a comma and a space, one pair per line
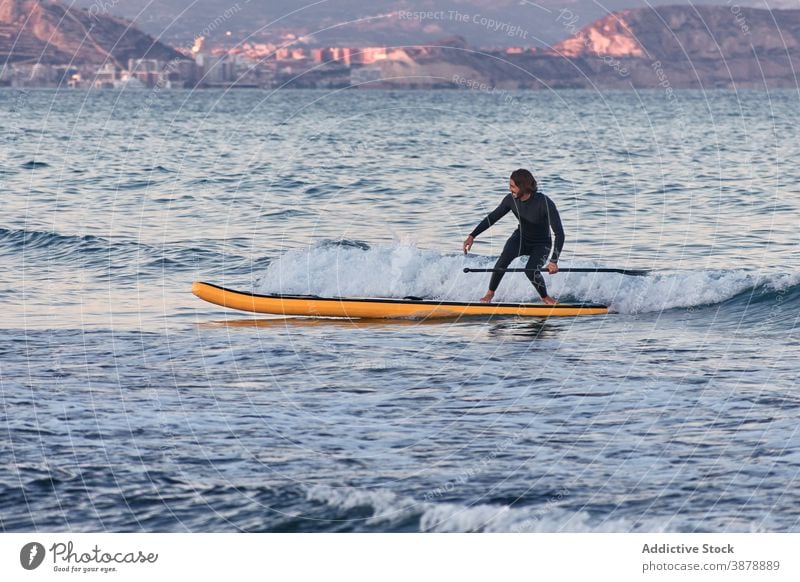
388, 508
403, 270
499, 519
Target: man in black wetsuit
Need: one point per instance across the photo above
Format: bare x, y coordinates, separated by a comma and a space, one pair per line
537, 214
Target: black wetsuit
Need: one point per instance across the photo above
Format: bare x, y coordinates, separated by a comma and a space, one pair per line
537, 215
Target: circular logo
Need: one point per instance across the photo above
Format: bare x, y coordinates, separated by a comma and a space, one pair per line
31, 556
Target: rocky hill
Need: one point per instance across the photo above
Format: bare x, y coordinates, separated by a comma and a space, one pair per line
685, 46
370, 23
665, 46
679, 32
48, 32
669, 47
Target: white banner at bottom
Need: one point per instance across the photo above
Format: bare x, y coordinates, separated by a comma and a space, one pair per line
416, 557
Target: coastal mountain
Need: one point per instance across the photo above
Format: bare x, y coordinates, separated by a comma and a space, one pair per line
48, 32
676, 46
381, 22
668, 46
698, 46
676, 33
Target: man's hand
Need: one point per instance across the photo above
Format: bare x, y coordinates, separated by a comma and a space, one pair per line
468, 244
552, 268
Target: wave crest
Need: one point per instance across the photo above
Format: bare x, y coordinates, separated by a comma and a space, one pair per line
402, 270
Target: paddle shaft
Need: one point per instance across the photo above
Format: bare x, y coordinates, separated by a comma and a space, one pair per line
632, 272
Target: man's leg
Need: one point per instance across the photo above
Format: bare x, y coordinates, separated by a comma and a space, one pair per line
511, 251
537, 259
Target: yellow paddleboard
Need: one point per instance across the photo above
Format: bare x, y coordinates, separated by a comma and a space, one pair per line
313, 306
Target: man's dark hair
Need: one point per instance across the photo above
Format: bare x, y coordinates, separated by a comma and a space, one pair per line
525, 181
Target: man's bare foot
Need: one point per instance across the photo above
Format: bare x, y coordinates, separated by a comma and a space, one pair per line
549, 300
488, 297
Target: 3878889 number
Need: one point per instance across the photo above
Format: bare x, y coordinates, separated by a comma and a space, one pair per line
755, 565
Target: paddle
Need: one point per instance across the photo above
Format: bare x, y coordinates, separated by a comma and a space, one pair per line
632, 272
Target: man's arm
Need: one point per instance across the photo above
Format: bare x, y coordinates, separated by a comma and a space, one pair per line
491, 218
555, 223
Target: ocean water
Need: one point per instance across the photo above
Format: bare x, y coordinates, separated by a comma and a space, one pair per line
130, 405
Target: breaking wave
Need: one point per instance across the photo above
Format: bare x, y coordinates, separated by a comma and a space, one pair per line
355, 270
